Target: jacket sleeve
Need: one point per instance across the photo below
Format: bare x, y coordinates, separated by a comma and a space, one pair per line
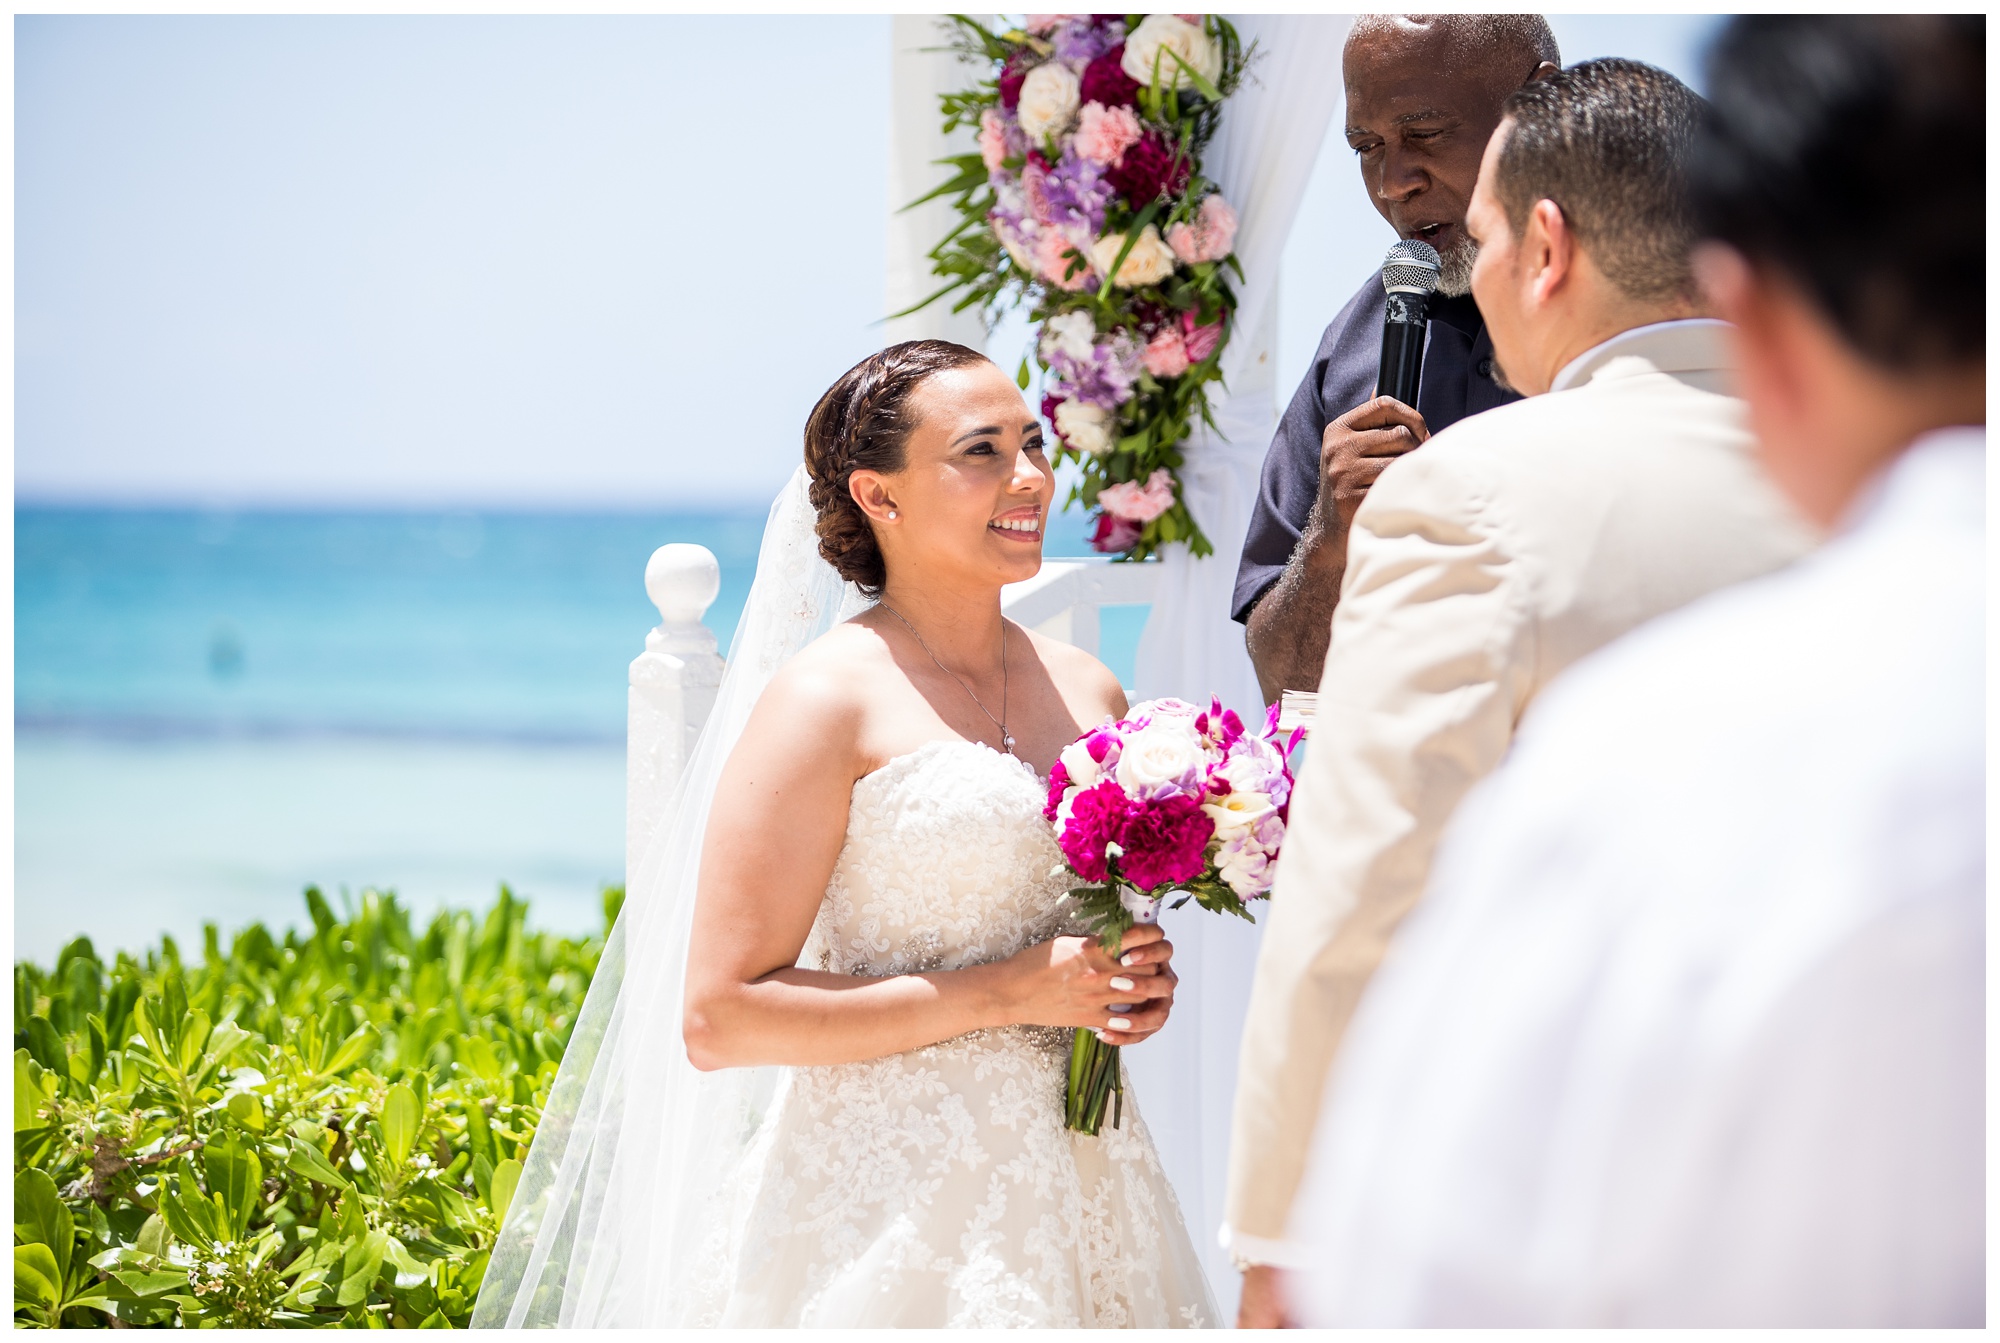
1430, 666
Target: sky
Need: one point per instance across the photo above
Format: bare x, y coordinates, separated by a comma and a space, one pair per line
491, 262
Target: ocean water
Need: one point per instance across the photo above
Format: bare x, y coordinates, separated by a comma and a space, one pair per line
213, 709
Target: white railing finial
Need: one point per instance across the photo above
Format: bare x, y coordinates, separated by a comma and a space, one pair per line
672, 688
682, 580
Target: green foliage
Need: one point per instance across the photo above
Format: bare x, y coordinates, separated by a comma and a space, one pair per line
324, 1130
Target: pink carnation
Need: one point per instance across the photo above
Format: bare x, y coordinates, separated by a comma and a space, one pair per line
1201, 340
1166, 354
1054, 255
1096, 818
1103, 134
1165, 842
993, 139
1136, 503
1212, 235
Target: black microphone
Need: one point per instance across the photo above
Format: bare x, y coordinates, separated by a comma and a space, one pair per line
1410, 274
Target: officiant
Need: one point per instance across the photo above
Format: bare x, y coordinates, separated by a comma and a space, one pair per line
1423, 96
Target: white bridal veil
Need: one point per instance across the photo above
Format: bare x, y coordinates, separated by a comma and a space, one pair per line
619, 1214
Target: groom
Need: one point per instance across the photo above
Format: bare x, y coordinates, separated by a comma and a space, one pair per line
1516, 542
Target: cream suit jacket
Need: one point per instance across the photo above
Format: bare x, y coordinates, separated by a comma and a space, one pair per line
1479, 567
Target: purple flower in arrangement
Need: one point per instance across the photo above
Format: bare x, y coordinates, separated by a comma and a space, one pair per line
1076, 192
1084, 39
1106, 378
1104, 80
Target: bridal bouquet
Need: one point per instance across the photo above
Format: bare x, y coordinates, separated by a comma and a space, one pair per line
1085, 203
1169, 803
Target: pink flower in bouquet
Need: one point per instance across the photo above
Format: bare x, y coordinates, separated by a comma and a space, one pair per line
1041, 25
1212, 235
1138, 503
1149, 170
1166, 353
1113, 535
1105, 81
1201, 340
1096, 818
995, 143
1164, 842
1103, 134
1055, 255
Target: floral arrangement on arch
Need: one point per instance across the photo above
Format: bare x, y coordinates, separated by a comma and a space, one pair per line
1085, 202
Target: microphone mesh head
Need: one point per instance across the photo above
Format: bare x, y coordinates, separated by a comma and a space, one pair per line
1411, 268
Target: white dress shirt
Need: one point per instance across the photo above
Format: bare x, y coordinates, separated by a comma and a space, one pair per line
1689, 1028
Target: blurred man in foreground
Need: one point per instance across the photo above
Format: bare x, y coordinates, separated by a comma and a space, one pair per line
1691, 1028
1514, 543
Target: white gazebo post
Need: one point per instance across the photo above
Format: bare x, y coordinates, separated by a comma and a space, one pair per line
673, 687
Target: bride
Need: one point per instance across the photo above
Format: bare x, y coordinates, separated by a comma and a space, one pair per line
819, 1077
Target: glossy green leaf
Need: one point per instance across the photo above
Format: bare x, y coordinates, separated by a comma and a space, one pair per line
400, 1119
310, 1162
506, 1175
37, 1280
40, 1218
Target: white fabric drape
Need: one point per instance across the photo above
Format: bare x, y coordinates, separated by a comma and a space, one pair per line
1261, 157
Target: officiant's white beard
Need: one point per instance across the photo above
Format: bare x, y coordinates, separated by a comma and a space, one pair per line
1455, 268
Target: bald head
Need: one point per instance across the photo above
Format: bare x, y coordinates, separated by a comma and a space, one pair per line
1504, 41
1424, 93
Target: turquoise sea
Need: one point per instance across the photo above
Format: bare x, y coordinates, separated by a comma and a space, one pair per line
214, 708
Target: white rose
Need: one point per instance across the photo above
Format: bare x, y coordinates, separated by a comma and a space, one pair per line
1076, 762
1149, 262
1085, 427
1238, 813
1050, 96
1166, 750
1158, 34
1073, 333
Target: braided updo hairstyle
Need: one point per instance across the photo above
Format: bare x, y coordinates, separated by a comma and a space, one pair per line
863, 423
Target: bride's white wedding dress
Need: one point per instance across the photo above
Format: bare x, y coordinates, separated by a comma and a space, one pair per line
935, 1187
939, 1187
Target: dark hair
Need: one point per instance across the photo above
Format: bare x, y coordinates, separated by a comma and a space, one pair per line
863, 423
1609, 142
1848, 151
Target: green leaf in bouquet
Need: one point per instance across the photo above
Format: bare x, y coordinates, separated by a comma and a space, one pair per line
1023, 378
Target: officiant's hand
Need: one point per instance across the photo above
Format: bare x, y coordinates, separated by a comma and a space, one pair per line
1354, 451
1073, 981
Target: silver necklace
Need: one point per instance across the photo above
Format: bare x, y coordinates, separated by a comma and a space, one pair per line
1000, 722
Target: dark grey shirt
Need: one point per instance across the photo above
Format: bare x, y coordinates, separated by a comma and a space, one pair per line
1457, 382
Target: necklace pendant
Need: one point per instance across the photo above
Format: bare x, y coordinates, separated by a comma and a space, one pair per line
1009, 739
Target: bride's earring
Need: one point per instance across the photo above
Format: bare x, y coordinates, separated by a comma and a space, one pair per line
892, 514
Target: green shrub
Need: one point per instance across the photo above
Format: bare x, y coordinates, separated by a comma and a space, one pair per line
320, 1131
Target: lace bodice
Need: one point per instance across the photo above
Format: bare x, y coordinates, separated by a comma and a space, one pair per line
938, 1187
948, 863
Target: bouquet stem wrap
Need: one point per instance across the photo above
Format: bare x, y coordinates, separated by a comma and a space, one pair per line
1096, 1079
